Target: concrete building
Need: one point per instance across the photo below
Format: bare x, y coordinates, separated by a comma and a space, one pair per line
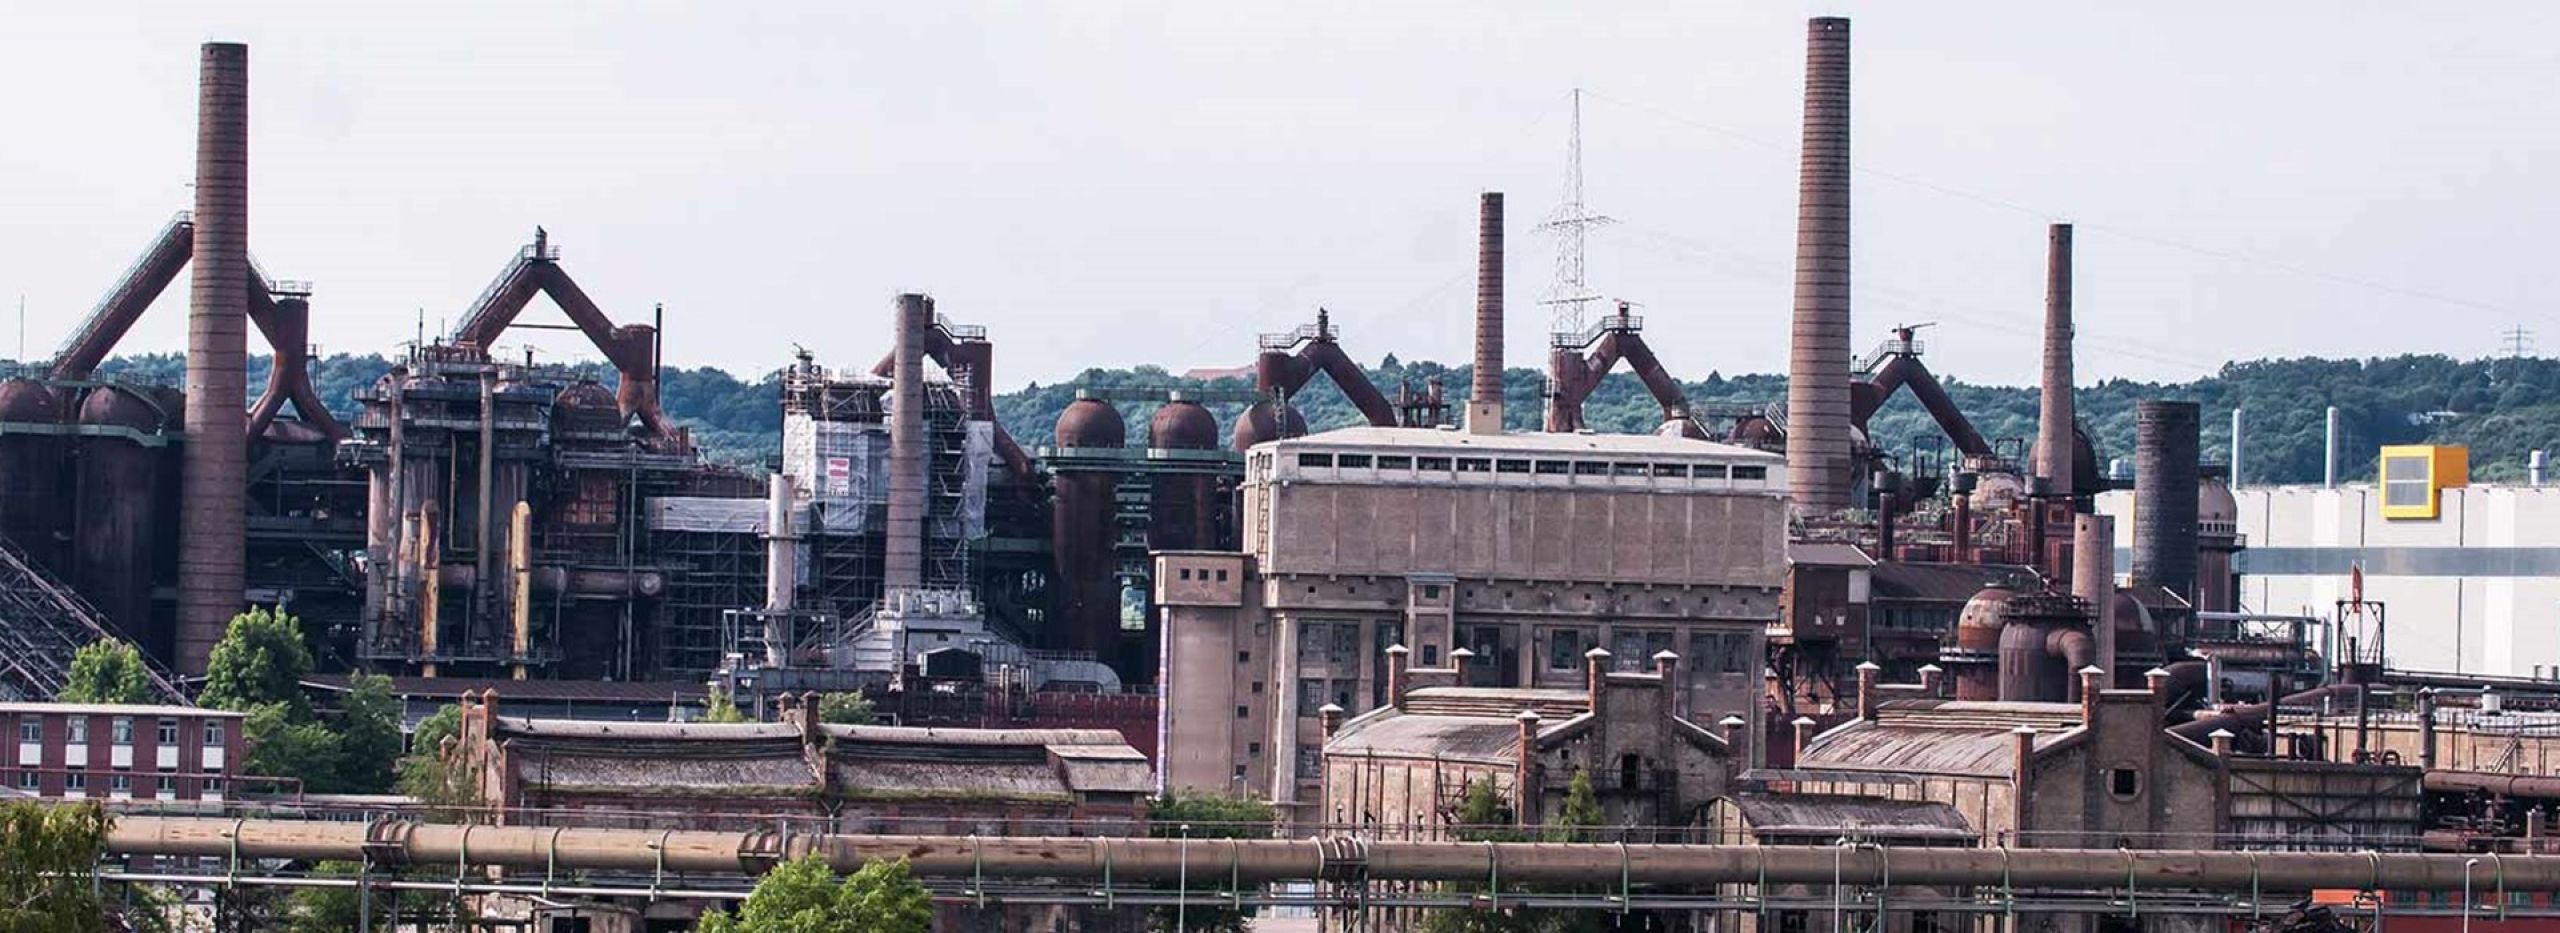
1403, 770
2475, 589
1527, 550
116, 752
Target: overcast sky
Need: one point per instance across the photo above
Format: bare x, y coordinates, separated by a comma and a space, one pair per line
1107, 184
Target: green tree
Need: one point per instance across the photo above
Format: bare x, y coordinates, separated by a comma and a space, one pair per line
427, 774
1484, 816
1582, 811
1206, 816
805, 896
719, 708
107, 671
326, 910
48, 853
846, 709
284, 744
260, 660
368, 735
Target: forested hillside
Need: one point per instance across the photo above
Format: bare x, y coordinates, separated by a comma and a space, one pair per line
2499, 408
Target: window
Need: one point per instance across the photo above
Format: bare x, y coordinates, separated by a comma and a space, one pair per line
1315, 460
27, 780
1670, 471
1222, 576
1711, 471
1257, 688
75, 781
1184, 573
213, 732
1750, 472
1431, 591
1353, 461
1431, 464
1253, 749
213, 785
1553, 468
168, 732
1590, 468
122, 730
1565, 647
122, 783
79, 730
1626, 469
1345, 648
30, 729
1244, 712
1511, 466
2124, 783
2404, 482
1474, 465
1431, 655
1244, 657
1310, 697
1395, 463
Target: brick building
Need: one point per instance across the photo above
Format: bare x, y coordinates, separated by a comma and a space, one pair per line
117, 752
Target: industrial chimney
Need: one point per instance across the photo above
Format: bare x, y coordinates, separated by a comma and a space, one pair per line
2164, 495
1484, 405
212, 523
1818, 469
903, 567
2054, 440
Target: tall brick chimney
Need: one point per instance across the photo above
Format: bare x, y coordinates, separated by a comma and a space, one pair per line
1818, 464
1484, 404
212, 515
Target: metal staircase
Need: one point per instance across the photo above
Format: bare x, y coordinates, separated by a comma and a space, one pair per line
43, 623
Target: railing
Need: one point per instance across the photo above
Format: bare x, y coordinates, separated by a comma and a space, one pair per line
1301, 334
960, 331
1621, 322
98, 313
1888, 349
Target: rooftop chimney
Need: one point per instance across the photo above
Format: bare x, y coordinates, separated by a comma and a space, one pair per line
2093, 579
1484, 405
2164, 495
1818, 356
212, 521
2054, 447
781, 570
903, 568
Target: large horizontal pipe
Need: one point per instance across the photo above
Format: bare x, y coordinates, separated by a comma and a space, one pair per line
2501, 785
1267, 860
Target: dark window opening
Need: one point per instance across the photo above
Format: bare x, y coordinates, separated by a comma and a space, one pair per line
1750, 472
2124, 783
1315, 460
1474, 465
1711, 471
1511, 466
1553, 468
1670, 471
1590, 468
1626, 469
1435, 464
1395, 463
1353, 461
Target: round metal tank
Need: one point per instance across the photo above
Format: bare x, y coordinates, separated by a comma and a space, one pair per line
1091, 422
32, 465
116, 490
1974, 660
1259, 424
585, 407
2215, 505
1181, 424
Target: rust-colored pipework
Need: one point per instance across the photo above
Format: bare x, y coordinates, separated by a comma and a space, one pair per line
1818, 464
115, 314
1279, 375
1904, 370
2054, 413
287, 325
631, 348
1576, 376
1484, 403
212, 516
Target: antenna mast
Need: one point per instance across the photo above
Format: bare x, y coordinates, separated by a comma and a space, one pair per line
1571, 223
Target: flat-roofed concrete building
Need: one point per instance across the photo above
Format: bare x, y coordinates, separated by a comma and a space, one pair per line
1526, 550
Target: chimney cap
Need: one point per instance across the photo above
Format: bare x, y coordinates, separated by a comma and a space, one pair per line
1597, 653
1932, 669
2023, 729
1869, 666
1329, 710
1528, 715
2219, 734
1666, 654
2156, 672
2091, 669
1461, 652
1802, 721
1398, 648
1730, 720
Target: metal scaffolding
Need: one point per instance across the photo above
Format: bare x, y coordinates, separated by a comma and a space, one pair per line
43, 623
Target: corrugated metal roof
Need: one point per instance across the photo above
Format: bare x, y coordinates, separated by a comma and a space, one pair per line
1497, 702
508, 726
1416, 735
1867, 746
864, 776
1840, 815
929, 736
1987, 714
1933, 582
1821, 554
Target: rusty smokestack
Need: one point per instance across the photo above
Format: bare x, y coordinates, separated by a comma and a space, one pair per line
212, 522
1484, 404
903, 568
2093, 578
1818, 470
2054, 439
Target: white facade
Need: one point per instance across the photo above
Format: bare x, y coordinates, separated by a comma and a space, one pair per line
2475, 590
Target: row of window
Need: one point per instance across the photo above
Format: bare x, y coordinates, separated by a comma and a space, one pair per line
1717, 653
1202, 574
1621, 468
120, 730
166, 785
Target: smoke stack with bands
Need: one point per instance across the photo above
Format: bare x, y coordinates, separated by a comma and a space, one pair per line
1484, 406
1818, 468
212, 522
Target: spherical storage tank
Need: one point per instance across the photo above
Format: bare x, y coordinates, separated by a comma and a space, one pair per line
1260, 424
1182, 507
117, 490
31, 469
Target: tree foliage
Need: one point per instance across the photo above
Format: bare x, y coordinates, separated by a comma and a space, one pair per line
368, 735
805, 896
107, 671
261, 659
719, 708
428, 774
1483, 816
846, 709
48, 854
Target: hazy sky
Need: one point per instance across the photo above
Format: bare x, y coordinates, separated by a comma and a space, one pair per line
1105, 184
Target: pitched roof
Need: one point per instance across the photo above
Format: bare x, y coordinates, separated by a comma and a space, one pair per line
1842, 815
1965, 737
1935, 582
